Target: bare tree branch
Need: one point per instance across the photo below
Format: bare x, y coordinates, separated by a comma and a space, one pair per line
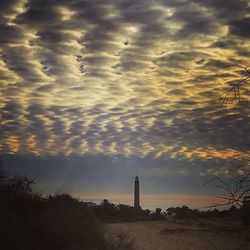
233, 93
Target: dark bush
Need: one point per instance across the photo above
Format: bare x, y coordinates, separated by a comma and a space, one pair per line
32, 222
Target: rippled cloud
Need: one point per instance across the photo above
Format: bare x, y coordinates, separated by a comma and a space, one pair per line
131, 78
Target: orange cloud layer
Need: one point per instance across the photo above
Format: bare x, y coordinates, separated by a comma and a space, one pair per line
211, 152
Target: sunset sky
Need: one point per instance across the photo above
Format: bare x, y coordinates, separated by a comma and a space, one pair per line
94, 92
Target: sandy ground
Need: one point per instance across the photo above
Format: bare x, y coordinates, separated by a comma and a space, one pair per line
197, 234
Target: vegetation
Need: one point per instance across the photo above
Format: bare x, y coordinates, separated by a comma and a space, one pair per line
29, 221
185, 212
110, 213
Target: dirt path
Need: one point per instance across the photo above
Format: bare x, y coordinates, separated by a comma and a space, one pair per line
183, 235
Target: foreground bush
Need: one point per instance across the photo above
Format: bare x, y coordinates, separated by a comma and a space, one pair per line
59, 222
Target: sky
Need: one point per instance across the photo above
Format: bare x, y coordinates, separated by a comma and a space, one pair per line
94, 92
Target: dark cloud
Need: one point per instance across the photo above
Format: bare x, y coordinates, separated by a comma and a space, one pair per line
10, 34
45, 88
18, 60
180, 59
180, 92
135, 13
240, 27
194, 22
226, 10
11, 113
39, 14
7, 8
217, 64
224, 43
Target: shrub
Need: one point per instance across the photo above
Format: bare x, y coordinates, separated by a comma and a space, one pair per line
30, 221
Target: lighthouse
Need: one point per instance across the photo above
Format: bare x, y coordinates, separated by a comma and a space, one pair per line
136, 193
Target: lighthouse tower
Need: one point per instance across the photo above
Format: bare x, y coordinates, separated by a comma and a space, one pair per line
137, 193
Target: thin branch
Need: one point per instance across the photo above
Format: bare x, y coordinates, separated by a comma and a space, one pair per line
232, 170
233, 94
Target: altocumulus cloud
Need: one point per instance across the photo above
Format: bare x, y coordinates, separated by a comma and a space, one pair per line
124, 79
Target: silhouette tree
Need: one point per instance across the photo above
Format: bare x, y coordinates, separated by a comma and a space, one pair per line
236, 185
